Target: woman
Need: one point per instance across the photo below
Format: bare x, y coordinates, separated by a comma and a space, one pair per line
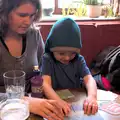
21, 48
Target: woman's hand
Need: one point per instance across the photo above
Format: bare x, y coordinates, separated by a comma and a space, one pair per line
90, 105
49, 109
65, 107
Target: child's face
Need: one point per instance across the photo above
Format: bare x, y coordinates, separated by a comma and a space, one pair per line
64, 57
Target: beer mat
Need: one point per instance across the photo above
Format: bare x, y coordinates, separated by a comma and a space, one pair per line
64, 94
110, 107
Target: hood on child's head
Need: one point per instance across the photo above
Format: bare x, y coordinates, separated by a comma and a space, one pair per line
64, 35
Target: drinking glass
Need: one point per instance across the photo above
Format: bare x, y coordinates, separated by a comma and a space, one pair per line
14, 109
14, 83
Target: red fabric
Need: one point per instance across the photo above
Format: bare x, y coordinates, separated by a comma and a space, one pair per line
106, 83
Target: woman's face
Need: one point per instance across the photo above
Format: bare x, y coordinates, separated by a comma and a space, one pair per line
20, 19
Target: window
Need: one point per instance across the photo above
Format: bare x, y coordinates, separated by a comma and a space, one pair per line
61, 3
110, 8
68, 2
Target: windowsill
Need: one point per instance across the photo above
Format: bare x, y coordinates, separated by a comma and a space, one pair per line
56, 17
50, 20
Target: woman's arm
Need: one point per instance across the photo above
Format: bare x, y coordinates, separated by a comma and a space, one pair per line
49, 109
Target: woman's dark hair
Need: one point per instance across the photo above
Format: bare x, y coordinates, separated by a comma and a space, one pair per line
6, 6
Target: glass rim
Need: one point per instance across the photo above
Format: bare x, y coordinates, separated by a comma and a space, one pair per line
4, 102
16, 100
4, 74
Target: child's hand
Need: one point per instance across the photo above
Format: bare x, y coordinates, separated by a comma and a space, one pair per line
90, 105
65, 106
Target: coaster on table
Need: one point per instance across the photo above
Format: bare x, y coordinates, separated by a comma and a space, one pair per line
110, 107
64, 94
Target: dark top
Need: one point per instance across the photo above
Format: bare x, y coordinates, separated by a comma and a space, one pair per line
65, 76
31, 56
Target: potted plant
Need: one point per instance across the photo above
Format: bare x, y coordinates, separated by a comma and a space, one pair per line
94, 7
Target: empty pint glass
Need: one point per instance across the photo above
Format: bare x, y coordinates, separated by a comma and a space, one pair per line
14, 84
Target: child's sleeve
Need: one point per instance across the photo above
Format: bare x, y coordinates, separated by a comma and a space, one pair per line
83, 68
46, 65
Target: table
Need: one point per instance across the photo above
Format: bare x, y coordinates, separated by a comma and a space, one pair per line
80, 95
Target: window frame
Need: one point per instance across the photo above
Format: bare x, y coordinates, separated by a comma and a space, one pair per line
57, 10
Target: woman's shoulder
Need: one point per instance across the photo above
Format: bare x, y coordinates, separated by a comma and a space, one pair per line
35, 34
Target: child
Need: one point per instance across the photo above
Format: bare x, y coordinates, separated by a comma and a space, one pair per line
63, 66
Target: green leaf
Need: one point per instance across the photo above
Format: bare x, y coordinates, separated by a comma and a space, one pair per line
92, 2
